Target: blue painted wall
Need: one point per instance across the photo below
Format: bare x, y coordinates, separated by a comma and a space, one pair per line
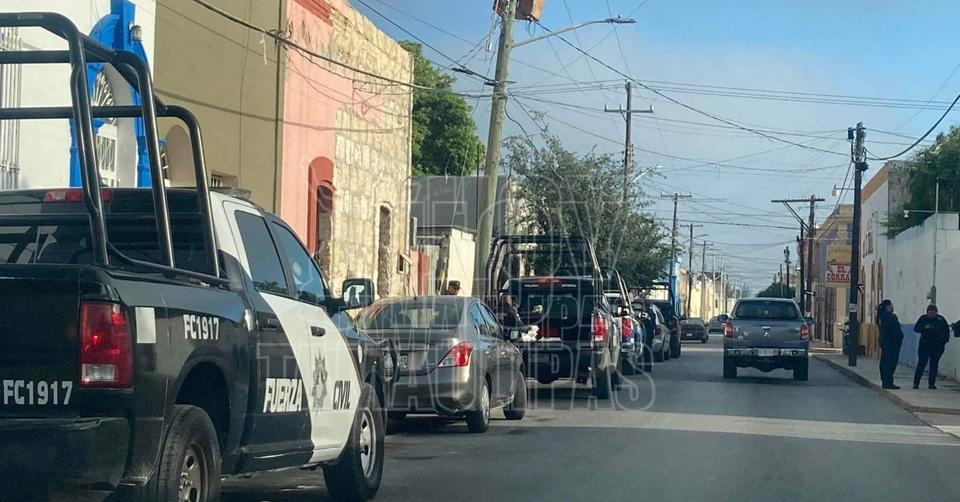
113, 30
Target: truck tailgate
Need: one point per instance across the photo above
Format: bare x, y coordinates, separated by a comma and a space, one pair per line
767, 332
39, 350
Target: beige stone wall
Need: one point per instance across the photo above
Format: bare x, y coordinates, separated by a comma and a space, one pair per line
373, 157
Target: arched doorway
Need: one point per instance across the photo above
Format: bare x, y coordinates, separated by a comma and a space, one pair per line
320, 205
384, 254
178, 157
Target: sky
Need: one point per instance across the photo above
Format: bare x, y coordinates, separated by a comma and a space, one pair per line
903, 51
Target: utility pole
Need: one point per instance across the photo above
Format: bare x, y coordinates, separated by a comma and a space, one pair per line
495, 136
786, 259
628, 142
859, 158
723, 288
936, 242
690, 270
808, 233
703, 279
673, 234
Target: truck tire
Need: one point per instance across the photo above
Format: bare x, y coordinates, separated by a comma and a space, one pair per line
478, 421
801, 372
658, 357
602, 384
675, 348
357, 473
518, 407
705, 339
189, 466
667, 352
647, 359
729, 368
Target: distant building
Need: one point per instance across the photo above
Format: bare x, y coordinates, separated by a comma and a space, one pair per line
831, 274
452, 201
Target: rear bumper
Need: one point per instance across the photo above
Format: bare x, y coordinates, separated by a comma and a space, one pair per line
85, 451
764, 352
693, 335
548, 361
444, 391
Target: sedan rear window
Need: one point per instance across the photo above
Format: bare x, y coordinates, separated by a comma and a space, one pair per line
411, 315
784, 311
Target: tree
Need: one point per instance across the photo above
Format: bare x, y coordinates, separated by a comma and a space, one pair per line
777, 289
444, 138
562, 192
939, 161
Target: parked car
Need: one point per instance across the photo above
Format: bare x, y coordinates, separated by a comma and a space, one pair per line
693, 328
657, 334
562, 297
631, 346
155, 340
767, 334
672, 321
716, 324
454, 360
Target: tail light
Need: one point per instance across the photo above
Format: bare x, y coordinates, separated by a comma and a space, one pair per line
599, 329
627, 327
457, 357
73, 195
728, 329
106, 348
804, 331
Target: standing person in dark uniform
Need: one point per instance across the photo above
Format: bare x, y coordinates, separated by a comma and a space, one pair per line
934, 335
891, 338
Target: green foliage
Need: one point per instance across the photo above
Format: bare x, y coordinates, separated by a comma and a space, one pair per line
444, 133
777, 289
563, 192
941, 160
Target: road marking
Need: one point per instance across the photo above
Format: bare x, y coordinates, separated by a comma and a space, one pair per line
755, 426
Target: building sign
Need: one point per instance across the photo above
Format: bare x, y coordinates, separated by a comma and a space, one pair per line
837, 253
838, 274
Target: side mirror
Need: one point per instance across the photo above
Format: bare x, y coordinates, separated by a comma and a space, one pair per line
357, 293
808, 321
723, 318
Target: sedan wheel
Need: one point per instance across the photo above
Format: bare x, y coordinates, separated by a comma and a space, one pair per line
479, 420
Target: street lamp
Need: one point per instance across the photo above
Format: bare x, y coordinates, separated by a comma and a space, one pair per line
609, 20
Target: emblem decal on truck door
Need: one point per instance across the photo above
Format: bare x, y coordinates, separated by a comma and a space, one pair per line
319, 391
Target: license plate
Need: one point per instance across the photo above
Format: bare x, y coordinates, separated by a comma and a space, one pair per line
404, 360
767, 352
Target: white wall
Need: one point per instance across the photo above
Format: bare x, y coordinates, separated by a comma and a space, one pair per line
909, 274
460, 264
45, 145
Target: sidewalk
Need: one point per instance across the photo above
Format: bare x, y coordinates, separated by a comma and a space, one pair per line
945, 400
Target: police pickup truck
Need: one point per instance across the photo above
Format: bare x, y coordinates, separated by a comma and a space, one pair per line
153, 340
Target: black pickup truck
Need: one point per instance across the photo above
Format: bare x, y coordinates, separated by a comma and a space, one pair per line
154, 340
555, 284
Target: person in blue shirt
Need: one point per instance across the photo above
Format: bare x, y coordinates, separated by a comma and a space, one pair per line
891, 339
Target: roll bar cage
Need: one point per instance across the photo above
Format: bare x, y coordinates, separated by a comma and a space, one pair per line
503, 246
82, 50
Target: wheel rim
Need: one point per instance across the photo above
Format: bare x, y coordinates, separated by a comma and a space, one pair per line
368, 442
485, 403
193, 474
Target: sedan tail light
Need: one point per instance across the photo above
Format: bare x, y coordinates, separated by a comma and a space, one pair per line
627, 327
106, 348
804, 331
457, 357
728, 329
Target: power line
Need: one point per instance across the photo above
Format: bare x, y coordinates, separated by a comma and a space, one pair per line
459, 68
921, 138
286, 42
692, 108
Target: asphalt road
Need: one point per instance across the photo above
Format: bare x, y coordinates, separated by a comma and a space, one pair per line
682, 434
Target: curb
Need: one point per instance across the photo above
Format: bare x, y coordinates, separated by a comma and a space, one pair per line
860, 379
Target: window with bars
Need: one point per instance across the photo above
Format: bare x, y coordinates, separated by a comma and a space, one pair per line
10, 86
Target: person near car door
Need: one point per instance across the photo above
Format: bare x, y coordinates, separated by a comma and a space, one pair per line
891, 338
934, 335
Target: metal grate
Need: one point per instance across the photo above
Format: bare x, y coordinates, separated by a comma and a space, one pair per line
10, 86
